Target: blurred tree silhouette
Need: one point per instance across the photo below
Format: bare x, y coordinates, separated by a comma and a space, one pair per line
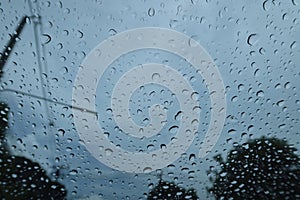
264, 168
3, 126
21, 178
168, 190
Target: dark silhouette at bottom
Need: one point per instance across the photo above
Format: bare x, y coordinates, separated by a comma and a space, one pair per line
169, 191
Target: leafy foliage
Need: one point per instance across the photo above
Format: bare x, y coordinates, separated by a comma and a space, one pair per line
3, 126
264, 168
168, 190
21, 178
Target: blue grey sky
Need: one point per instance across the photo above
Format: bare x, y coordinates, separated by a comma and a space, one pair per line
254, 44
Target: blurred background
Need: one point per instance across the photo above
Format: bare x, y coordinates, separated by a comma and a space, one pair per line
254, 44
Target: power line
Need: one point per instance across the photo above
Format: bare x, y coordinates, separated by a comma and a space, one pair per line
50, 100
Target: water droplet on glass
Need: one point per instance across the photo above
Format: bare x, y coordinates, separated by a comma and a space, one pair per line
147, 169
252, 39
293, 45
195, 96
112, 32
280, 103
108, 152
79, 34
266, 5
46, 39
61, 132
193, 41
294, 2
260, 93
173, 23
256, 72
232, 132
241, 87
73, 172
155, 76
173, 129
178, 116
234, 98
287, 85
151, 12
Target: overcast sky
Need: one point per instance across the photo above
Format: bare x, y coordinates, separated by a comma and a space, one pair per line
254, 44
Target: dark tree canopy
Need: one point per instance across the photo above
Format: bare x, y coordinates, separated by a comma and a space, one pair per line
21, 178
168, 190
3, 126
264, 168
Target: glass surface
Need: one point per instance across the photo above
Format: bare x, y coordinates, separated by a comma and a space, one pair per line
127, 99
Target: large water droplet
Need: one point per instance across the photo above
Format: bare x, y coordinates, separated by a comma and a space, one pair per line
252, 39
73, 172
112, 32
147, 169
46, 39
151, 12
173, 129
108, 151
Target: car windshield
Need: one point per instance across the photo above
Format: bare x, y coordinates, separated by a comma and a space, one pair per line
193, 99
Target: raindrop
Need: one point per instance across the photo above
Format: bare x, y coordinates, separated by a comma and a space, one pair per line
155, 76
108, 152
285, 16
147, 169
171, 167
293, 45
280, 103
163, 146
194, 2
73, 172
65, 32
178, 116
241, 87
112, 32
265, 5
294, 2
79, 34
195, 96
252, 39
287, 85
282, 126
151, 12
46, 39
192, 157
223, 174
232, 132
250, 128
179, 9
193, 41
262, 51
260, 93
277, 86
61, 132
234, 98
173, 23
14, 175
256, 72
173, 129
150, 147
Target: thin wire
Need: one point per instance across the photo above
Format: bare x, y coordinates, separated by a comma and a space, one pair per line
38, 51
50, 100
44, 52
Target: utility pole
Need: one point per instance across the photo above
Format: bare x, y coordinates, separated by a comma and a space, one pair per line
11, 43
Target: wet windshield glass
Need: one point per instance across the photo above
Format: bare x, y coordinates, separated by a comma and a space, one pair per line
149, 99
